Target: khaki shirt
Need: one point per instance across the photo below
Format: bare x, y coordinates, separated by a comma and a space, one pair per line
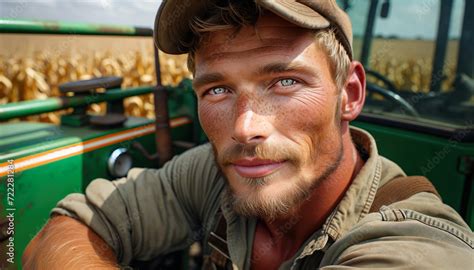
152, 212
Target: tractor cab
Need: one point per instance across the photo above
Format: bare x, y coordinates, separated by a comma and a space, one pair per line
418, 57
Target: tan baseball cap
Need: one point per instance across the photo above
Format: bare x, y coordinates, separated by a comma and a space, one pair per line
172, 20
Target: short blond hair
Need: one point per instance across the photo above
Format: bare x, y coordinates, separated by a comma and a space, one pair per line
236, 14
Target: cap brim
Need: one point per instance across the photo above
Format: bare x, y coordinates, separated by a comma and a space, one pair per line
172, 31
312, 16
296, 13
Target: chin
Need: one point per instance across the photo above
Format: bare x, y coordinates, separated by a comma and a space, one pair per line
268, 197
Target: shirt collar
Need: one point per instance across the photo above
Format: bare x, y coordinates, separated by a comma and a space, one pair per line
361, 193
357, 200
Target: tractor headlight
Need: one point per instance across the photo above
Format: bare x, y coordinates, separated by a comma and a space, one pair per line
120, 162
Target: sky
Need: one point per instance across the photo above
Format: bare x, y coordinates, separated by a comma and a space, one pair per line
123, 12
407, 18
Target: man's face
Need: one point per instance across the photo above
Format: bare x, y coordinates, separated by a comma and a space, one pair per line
268, 103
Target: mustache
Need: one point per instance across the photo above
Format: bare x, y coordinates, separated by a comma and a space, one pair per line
266, 151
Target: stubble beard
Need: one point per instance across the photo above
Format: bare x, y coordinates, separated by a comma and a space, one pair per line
281, 203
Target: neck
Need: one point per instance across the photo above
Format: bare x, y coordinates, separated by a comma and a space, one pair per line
311, 215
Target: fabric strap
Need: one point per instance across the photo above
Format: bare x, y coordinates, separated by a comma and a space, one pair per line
398, 189
218, 243
401, 188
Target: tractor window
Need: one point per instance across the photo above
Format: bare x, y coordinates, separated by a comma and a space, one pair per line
410, 50
358, 12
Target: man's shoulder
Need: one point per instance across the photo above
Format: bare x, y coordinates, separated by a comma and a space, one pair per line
202, 151
195, 161
191, 175
192, 165
426, 203
421, 231
196, 166
420, 208
423, 209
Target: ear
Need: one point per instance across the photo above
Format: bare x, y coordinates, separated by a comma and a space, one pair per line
353, 92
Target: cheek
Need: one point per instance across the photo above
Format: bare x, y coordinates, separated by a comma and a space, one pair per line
213, 120
307, 116
309, 121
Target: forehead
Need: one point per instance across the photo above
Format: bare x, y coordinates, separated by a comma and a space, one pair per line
269, 34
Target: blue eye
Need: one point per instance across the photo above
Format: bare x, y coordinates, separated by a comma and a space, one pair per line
217, 91
287, 82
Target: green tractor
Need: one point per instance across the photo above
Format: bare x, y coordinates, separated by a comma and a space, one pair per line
42, 162
419, 109
420, 92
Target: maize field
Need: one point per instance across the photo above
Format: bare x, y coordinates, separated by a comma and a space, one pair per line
33, 66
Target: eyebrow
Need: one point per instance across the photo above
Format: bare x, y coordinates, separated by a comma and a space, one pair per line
207, 79
285, 67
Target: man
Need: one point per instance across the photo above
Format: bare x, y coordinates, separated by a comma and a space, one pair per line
284, 183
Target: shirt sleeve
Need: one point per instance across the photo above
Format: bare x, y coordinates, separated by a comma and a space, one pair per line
406, 239
404, 252
151, 211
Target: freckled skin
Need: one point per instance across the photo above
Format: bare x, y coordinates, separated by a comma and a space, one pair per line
248, 107
302, 117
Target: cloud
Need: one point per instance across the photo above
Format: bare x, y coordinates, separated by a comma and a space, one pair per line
122, 12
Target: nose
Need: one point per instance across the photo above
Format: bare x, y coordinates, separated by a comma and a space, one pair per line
250, 126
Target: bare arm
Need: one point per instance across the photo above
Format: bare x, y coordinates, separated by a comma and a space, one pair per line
65, 243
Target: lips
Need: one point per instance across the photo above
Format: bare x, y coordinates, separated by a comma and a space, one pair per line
254, 168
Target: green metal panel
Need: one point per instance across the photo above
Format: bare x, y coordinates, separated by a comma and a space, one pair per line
94, 165
434, 157
32, 107
38, 189
17, 138
54, 136
36, 192
53, 27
